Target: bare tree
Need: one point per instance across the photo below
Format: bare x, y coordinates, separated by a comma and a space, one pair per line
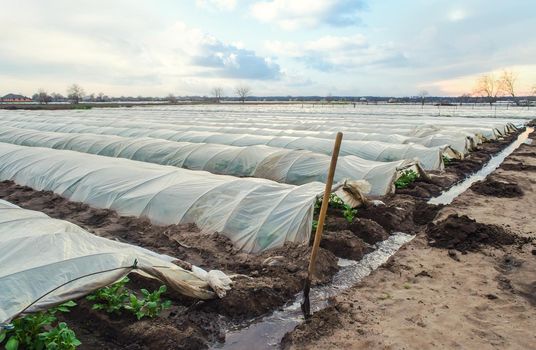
464, 98
508, 84
422, 95
243, 92
171, 98
217, 92
489, 87
100, 97
75, 93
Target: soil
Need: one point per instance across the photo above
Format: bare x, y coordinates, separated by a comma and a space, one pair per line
273, 278
465, 234
431, 296
497, 188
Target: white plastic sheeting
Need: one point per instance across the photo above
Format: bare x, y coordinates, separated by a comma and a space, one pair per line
460, 141
45, 262
295, 167
256, 214
429, 157
459, 137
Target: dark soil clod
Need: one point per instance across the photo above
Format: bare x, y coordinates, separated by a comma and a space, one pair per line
465, 234
495, 188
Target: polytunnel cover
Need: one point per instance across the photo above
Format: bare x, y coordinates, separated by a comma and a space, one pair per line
256, 214
45, 262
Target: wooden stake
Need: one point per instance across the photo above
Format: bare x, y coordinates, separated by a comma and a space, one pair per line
306, 307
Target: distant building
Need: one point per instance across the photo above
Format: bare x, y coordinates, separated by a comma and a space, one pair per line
15, 98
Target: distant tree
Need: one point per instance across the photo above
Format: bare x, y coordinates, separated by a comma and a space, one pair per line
243, 92
56, 97
43, 97
422, 96
329, 97
171, 98
100, 97
508, 84
464, 98
217, 93
489, 87
75, 93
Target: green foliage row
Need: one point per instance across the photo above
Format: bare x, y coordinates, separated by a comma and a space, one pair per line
36, 332
116, 298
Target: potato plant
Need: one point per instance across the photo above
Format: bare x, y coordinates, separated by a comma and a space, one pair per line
407, 177
36, 332
116, 298
112, 298
335, 202
150, 305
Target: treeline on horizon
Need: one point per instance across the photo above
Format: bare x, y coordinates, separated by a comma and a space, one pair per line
318, 98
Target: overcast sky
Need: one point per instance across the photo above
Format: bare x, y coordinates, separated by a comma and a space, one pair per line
277, 47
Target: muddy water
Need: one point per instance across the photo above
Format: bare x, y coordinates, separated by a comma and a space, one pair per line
448, 196
267, 332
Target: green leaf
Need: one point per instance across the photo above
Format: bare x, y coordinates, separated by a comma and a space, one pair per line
70, 303
3, 335
12, 344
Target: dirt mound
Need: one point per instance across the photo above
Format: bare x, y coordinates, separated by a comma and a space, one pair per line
369, 231
519, 166
396, 215
465, 234
345, 244
425, 213
421, 189
491, 187
321, 324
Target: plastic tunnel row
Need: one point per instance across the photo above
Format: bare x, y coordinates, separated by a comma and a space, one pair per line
462, 139
72, 263
431, 158
411, 127
295, 167
256, 214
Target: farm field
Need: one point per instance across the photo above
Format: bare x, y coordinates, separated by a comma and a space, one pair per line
236, 189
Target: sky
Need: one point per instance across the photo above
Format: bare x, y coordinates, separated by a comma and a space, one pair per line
275, 47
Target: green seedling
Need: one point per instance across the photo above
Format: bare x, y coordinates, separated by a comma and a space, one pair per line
447, 160
150, 305
60, 337
112, 298
27, 330
349, 213
406, 178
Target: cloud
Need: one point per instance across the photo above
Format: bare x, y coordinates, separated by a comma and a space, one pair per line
339, 53
220, 5
233, 62
457, 15
123, 53
297, 14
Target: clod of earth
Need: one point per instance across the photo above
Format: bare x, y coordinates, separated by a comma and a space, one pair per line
465, 234
491, 187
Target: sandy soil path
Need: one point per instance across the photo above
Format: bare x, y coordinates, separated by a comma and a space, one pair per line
429, 297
